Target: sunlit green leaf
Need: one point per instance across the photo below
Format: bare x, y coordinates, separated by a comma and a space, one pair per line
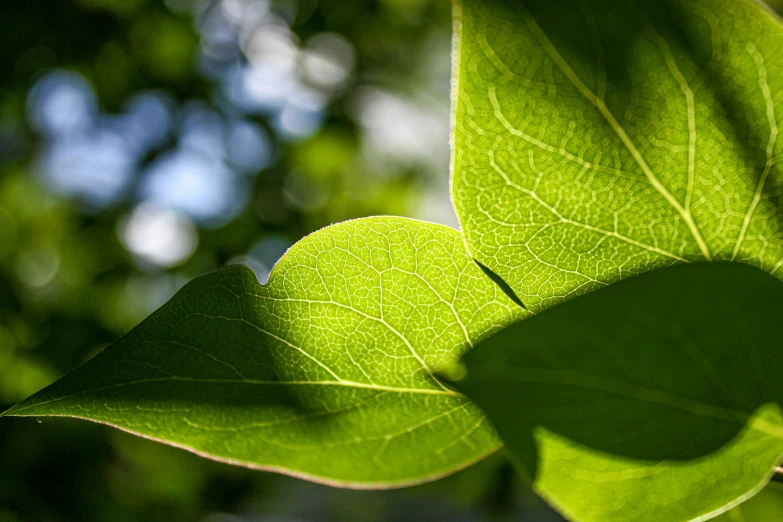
767, 505
657, 398
326, 372
597, 139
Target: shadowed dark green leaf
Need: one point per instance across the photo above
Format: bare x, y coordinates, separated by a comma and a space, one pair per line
598, 139
657, 398
325, 373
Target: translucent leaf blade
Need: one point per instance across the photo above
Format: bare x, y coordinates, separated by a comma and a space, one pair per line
325, 373
598, 139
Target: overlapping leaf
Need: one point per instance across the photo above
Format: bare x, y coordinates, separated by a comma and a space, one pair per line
597, 139
325, 372
657, 398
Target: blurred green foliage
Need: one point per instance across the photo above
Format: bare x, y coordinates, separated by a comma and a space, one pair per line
366, 134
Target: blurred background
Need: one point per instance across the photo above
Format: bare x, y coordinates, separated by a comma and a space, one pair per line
146, 142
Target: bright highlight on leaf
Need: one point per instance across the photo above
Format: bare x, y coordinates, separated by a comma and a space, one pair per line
597, 139
326, 372
657, 398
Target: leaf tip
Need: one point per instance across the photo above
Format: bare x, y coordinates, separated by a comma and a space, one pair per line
23, 408
9, 412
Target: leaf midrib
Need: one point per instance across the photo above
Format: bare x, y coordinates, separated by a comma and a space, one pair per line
631, 391
618, 129
343, 383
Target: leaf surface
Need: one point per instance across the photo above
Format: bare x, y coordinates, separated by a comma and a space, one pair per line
325, 373
657, 398
598, 139
767, 505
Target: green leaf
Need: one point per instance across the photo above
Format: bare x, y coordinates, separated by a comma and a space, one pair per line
598, 139
657, 398
325, 373
766, 506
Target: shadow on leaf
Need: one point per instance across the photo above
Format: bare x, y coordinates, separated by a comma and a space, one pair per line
670, 365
